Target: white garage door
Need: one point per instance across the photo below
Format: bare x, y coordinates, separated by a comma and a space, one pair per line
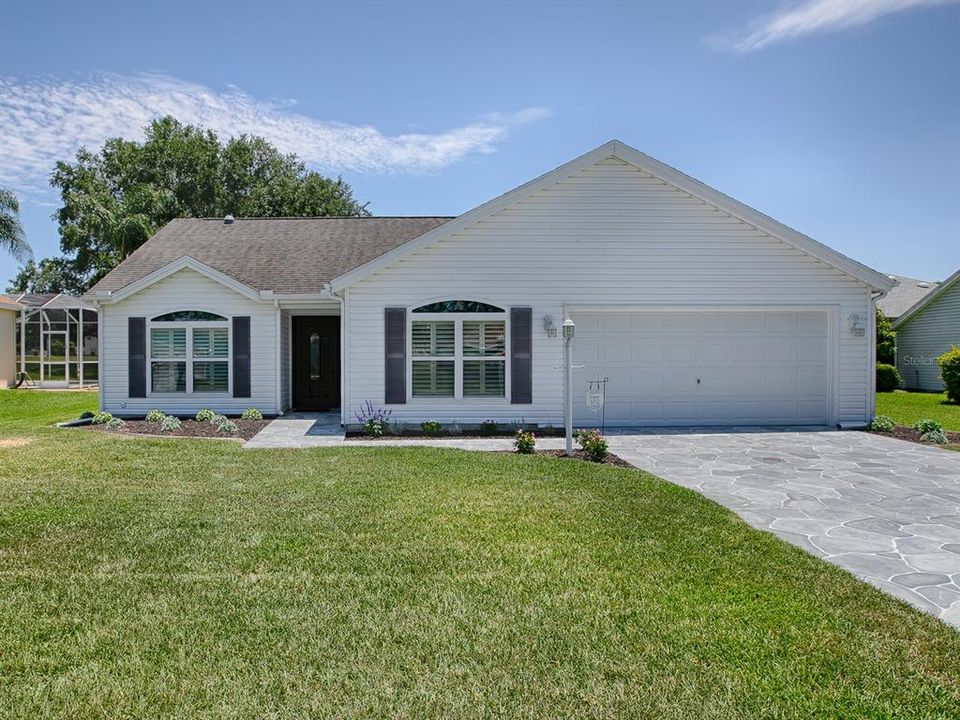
704, 368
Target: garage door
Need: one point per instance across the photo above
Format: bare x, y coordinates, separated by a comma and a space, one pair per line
704, 368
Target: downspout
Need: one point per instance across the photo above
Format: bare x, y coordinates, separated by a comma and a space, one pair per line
278, 374
341, 298
871, 376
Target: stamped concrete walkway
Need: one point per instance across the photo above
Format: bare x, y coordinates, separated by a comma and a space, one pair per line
886, 510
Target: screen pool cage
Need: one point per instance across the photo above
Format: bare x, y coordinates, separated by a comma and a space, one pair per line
57, 341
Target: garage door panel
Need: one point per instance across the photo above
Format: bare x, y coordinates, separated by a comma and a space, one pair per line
754, 367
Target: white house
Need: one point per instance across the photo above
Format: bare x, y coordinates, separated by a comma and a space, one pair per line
9, 309
698, 309
927, 330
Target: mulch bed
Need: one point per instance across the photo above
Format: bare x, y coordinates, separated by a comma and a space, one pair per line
580, 455
246, 429
908, 433
446, 435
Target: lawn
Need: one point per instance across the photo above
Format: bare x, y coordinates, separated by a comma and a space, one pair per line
191, 578
907, 407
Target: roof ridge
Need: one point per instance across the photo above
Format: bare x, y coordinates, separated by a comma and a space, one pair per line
327, 217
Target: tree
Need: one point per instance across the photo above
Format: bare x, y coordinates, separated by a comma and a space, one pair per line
886, 339
116, 198
12, 239
52, 275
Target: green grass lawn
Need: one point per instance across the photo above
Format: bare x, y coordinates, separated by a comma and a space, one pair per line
190, 578
907, 407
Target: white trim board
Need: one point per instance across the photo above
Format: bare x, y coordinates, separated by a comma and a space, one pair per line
649, 165
184, 262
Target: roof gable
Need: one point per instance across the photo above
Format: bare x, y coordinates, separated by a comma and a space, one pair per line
649, 165
929, 299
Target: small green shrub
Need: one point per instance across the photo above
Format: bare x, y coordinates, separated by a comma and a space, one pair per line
525, 442
888, 379
934, 436
115, 423
882, 423
227, 426
102, 418
373, 427
155, 416
205, 415
926, 425
488, 428
430, 427
949, 364
217, 419
170, 423
251, 414
593, 444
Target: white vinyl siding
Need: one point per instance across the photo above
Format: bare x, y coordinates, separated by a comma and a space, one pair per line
189, 290
926, 335
610, 235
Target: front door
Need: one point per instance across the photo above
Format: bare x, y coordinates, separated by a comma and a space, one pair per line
316, 363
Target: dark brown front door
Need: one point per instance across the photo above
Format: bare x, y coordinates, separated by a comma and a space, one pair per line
316, 363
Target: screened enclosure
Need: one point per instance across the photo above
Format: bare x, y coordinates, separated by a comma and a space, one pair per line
57, 341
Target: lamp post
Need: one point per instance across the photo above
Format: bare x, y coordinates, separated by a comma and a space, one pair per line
568, 331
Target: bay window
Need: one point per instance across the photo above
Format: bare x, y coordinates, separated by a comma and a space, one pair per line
458, 349
189, 353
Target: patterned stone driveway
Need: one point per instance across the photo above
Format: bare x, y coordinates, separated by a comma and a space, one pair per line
886, 510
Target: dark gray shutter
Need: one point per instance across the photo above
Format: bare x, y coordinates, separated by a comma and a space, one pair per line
137, 357
395, 356
521, 355
241, 357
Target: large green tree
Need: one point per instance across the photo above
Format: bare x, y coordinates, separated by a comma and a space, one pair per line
12, 239
116, 198
50, 275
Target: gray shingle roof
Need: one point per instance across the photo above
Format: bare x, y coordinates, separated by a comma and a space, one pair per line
905, 294
286, 255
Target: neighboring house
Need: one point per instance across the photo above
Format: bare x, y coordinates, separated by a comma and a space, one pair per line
927, 330
905, 294
698, 309
8, 328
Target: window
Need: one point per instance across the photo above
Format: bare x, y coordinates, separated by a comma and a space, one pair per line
189, 353
455, 357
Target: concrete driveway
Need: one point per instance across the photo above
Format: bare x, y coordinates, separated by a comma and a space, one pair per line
886, 510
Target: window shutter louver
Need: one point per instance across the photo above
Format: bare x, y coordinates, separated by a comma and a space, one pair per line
241, 356
395, 356
137, 357
521, 355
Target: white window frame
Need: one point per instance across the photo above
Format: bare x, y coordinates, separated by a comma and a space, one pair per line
189, 359
458, 357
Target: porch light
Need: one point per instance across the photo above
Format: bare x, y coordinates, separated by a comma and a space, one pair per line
568, 328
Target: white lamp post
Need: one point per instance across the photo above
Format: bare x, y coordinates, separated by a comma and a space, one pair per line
568, 331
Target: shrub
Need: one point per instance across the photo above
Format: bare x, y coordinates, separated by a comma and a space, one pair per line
217, 419
888, 379
926, 425
949, 364
881, 423
934, 436
488, 428
102, 418
205, 415
251, 414
373, 428
886, 338
593, 444
170, 423
227, 426
155, 416
525, 442
430, 427
115, 423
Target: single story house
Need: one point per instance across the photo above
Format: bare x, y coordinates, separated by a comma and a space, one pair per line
927, 330
9, 309
697, 309
906, 293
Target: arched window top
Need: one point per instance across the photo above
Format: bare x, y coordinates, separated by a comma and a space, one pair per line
189, 316
458, 306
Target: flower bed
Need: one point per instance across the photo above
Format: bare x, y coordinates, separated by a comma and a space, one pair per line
246, 429
910, 434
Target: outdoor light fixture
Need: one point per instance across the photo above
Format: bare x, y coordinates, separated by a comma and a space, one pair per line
568, 328
549, 326
856, 325
568, 331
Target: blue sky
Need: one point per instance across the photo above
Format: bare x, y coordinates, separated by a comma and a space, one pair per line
839, 118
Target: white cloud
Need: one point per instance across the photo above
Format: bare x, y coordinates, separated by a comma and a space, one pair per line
817, 17
45, 120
